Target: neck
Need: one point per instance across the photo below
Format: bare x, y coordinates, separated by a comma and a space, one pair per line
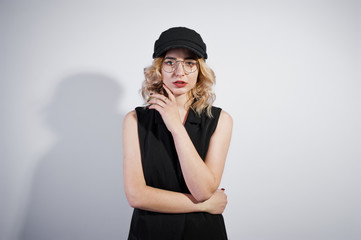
183, 105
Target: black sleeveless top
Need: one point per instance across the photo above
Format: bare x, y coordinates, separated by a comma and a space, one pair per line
162, 170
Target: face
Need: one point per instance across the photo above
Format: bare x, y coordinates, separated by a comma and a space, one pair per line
179, 81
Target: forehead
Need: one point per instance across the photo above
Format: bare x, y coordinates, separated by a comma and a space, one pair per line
180, 53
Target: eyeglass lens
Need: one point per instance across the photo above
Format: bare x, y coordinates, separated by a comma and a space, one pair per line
189, 65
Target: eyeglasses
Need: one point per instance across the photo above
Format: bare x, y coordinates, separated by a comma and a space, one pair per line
189, 65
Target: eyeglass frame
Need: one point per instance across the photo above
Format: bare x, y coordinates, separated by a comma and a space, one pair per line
179, 61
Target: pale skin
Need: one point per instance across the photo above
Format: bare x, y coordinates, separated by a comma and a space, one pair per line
202, 177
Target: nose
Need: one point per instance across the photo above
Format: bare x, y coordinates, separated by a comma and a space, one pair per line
179, 70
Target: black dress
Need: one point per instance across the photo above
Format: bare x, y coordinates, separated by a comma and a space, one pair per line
162, 170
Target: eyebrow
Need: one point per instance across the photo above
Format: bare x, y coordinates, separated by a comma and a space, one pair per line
170, 58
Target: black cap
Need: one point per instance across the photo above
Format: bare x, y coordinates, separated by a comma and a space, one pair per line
180, 37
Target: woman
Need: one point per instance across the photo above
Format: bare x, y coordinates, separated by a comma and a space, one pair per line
175, 148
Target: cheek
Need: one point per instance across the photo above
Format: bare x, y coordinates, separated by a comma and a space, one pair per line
194, 79
165, 76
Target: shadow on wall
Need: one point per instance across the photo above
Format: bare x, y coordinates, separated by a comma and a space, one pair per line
77, 188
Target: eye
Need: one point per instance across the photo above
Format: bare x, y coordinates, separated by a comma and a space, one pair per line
169, 62
190, 63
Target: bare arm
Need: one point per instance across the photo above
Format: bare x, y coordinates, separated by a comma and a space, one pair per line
202, 177
144, 197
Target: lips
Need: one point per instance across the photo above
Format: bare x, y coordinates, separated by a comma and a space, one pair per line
179, 83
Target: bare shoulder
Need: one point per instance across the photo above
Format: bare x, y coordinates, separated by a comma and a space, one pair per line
130, 122
131, 114
224, 125
130, 117
225, 119
130, 126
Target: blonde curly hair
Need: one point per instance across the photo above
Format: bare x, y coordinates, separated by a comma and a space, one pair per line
201, 97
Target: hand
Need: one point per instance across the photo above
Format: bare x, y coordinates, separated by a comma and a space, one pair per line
168, 109
216, 204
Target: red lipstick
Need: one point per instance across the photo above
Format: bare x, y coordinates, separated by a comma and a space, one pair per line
180, 83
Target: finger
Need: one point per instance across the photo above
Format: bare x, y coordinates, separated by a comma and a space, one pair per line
156, 101
170, 94
156, 107
159, 96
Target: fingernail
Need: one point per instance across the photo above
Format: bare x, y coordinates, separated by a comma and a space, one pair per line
223, 189
151, 93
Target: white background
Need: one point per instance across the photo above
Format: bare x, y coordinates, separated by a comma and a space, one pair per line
287, 71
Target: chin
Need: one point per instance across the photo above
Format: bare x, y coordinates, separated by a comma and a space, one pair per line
179, 91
